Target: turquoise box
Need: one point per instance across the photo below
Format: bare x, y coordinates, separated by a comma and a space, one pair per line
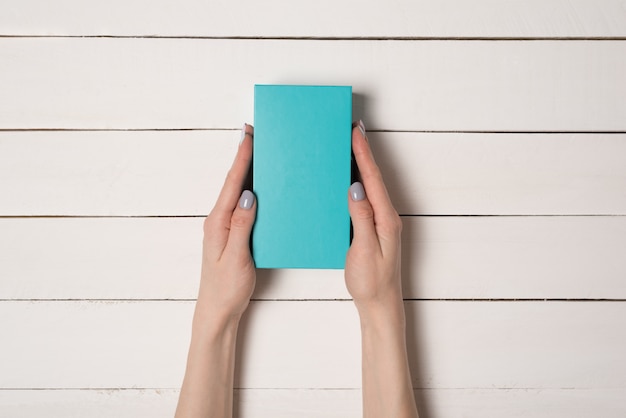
301, 175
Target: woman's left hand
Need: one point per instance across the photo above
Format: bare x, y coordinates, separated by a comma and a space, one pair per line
228, 274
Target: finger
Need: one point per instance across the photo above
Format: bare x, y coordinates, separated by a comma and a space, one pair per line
236, 176
362, 216
386, 220
233, 185
370, 174
241, 224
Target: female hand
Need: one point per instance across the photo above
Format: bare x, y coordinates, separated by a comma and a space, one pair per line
373, 279
226, 285
228, 275
373, 262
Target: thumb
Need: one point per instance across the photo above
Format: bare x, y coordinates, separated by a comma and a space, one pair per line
362, 216
241, 224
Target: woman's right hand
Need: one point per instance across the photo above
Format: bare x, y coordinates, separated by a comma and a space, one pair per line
373, 262
373, 279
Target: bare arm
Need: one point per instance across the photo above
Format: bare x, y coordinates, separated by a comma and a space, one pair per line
373, 279
226, 285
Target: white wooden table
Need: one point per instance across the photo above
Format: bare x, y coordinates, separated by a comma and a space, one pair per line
500, 127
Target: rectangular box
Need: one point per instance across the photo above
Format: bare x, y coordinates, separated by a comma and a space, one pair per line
301, 176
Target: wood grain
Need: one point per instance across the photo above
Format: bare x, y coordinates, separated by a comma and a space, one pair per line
308, 403
444, 257
181, 173
325, 18
203, 83
509, 108
314, 344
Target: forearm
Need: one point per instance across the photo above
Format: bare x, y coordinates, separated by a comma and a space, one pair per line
207, 389
387, 387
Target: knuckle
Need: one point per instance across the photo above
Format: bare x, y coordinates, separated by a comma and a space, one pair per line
214, 222
364, 212
392, 226
239, 221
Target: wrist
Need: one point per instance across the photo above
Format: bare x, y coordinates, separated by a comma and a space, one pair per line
382, 314
388, 304
211, 325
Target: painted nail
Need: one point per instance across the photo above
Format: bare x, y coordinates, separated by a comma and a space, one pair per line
246, 200
357, 192
243, 133
362, 127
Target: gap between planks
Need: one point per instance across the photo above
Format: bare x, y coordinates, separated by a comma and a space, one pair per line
340, 38
241, 389
496, 132
584, 215
559, 300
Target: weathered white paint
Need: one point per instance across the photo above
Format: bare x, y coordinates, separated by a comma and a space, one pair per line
311, 403
181, 173
478, 359
444, 257
316, 344
399, 85
327, 18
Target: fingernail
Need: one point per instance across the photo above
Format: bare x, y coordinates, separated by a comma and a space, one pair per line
246, 200
362, 127
243, 133
357, 192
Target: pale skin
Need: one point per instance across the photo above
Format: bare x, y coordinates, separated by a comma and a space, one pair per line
228, 277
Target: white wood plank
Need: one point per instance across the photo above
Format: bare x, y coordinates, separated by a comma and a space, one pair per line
406, 18
109, 173
200, 83
316, 345
255, 403
447, 257
118, 403
503, 257
181, 173
533, 174
441, 403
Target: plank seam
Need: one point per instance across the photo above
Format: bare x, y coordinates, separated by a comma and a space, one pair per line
125, 300
130, 389
520, 215
335, 38
497, 132
401, 215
